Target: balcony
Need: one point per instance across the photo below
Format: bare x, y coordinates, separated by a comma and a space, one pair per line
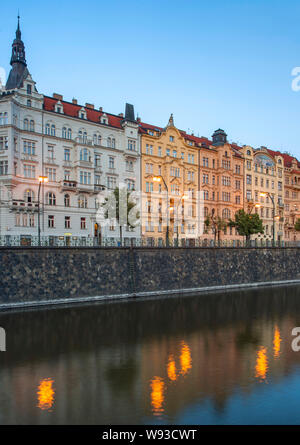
21, 205
68, 185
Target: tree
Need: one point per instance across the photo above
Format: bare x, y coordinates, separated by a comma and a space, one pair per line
215, 223
297, 225
247, 224
120, 206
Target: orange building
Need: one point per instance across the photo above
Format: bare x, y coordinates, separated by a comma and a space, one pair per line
185, 180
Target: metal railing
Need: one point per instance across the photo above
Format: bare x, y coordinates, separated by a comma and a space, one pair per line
73, 241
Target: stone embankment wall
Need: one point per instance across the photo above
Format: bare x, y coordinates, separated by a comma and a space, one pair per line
30, 276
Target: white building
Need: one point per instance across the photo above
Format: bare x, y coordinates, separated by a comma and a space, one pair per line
78, 148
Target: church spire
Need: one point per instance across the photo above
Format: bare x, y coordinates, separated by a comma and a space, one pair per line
18, 48
19, 70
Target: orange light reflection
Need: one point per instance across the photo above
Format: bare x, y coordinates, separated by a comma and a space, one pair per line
261, 367
185, 359
46, 394
157, 395
276, 342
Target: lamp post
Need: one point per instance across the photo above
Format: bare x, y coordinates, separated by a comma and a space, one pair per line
180, 200
42, 179
273, 202
158, 179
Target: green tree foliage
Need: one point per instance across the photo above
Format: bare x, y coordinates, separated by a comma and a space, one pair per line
297, 225
247, 224
120, 206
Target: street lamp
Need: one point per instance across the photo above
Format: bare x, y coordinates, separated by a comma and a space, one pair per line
42, 179
180, 200
160, 178
273, 202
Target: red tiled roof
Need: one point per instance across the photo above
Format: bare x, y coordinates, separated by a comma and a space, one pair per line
72, 110
197, 140
287, 159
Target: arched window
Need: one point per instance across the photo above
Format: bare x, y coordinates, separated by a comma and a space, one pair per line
82, 202
67, 200
64, 133
47, 129
85, 137
226, 213
26, 125
85, 155
31, 125
52, 130
69, 133
29, 196
80, 135
51, 199
113, 143
109, 142
248, 152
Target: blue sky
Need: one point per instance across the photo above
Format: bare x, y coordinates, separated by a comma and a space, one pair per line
212, 63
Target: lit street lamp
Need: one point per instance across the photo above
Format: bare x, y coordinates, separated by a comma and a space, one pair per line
179, 202
42, 179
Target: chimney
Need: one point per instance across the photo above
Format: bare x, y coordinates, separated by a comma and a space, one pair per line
101, 109
57, 96
90, 106
74, 101
138, 120
121, 115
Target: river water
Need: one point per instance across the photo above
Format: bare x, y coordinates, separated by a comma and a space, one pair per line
214, 359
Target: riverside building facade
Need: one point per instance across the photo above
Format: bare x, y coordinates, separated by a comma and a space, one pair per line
188, 179
79, 150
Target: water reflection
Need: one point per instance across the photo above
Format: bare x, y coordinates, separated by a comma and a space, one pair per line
185, 359
196, 360
45, 394
261, 366
276, 342
157, 395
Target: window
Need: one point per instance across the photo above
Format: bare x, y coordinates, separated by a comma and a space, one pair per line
29, 103
29, 148
175, 171
67, 200
191, 158
51, 152
226, 196
238, 169
29, 171
174, 154
31, 125
249, 179
51, 199
51, 221
226, 181
51, 174
226, 213
83, 223
52, 130
67, 222
149, 168
85, 178
129, 165
3, 118
113, 143
159, 152
26, 124
85, 155
111, 162
67, 156
205, 162
237, 199
171, 138
149, 149
205, 178
111, 182
47, 129
3, 168
3, 142
29, 89
130, 184
97, 160
279, 185
226, 164
28, 196
69, 135
82, 202
64, 133
109, 142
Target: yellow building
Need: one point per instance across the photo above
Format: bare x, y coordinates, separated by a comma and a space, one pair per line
169, 184
264, 189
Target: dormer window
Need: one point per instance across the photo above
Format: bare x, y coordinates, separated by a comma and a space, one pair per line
82, 113
103, 119
59, 107
29, 89
171, 138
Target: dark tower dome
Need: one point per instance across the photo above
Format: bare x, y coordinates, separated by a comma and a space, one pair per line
219, 137
19, 70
